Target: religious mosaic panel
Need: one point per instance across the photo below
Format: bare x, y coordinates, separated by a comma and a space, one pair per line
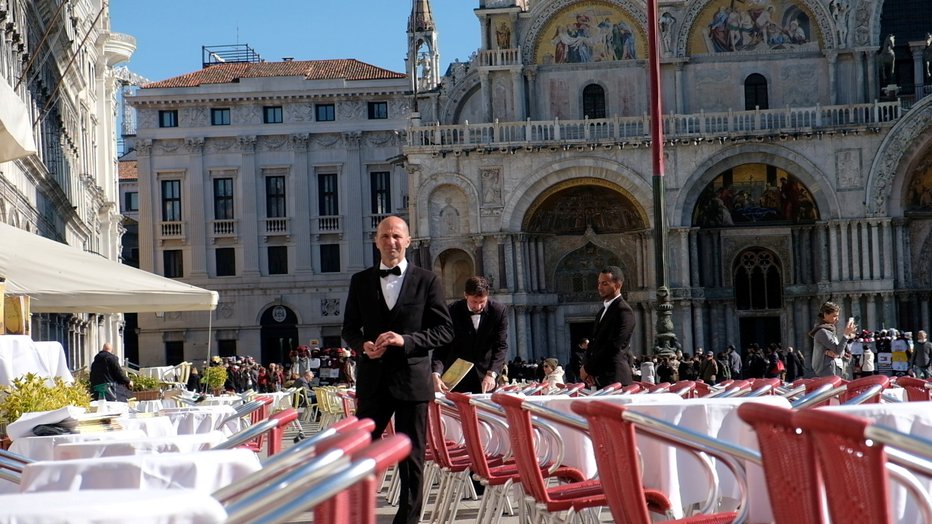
577, 272
919, 189
755, 194
729, 26
590, 32
574, 209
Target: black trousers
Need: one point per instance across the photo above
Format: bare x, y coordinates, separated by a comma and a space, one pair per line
410, 420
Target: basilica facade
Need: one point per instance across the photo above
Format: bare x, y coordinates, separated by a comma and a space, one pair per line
798, 155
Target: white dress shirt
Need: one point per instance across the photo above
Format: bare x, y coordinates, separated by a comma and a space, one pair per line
391, 284
605, 304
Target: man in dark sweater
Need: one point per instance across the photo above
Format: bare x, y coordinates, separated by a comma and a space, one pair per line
106, 369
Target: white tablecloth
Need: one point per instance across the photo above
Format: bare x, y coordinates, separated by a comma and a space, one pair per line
42, 448
116, 448
914, 418
159, 372
159, 426
202, 419
19, 355
222, 400
151, 406
280, 400
112, 507
205, 471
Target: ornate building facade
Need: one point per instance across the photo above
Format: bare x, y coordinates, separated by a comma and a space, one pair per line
57, 81
798, 154
264, 181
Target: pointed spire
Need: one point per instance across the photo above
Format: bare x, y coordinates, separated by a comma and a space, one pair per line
421, 18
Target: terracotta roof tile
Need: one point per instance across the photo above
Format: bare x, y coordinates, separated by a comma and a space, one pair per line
349, 69
129, 170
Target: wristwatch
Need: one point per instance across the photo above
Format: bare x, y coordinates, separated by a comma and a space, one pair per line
492, 374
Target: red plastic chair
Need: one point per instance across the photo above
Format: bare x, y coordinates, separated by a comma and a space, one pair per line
662, 387
859, 487
284, 417
453, 462
573, 496
759, 383
703, 389
916, 390
685, 389
858, 386
632, 389
258, 416
616, 453
789, 464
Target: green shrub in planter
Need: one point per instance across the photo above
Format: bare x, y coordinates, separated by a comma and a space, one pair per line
141, 383
32, 393
215, 377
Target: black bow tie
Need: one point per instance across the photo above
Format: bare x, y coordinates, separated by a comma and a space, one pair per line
393, 271
475, 313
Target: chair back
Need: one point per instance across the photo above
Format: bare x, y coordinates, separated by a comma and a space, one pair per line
613, 441
764, 386
916, 388
435, 439
277, 433
790, 469
523, 445
469, 417
360, 499
859, 487
661, 387
859, 385
685, 389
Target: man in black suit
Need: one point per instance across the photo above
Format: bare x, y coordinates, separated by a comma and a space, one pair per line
395, 315
480, 327
608, 359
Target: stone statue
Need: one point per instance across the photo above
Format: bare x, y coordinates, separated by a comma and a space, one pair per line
840, 10
886, 61
927, 56
666, 32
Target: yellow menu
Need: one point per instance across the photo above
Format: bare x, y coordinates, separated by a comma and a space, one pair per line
455, 373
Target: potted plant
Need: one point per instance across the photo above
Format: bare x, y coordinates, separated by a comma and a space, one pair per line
146, 388
215, 377
31, 392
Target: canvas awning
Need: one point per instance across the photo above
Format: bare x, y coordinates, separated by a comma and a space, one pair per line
16, 140
63, 279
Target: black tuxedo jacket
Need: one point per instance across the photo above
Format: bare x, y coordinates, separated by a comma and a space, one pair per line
486, 348
420, 315
608, 358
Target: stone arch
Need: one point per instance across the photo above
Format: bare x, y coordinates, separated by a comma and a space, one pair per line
694, 19
543, 13
422, 226
818, 183
463, 91
578, 205
291, 306
916, 185
890, 167
454, 266
614, 175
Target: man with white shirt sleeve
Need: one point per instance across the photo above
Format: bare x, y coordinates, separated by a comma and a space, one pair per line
608, 357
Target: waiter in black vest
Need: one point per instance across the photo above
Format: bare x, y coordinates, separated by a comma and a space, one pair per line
395, 315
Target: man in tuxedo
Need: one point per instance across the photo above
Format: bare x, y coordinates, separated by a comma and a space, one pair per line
395, 315
480, 332
608, 359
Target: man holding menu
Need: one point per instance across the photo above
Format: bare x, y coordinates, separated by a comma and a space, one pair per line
480, 327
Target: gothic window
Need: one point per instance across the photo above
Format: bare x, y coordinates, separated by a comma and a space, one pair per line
593, 97
757, 280
578, 272
755, 92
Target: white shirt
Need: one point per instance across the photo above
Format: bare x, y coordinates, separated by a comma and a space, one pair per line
391, 285
605, 305
475, 320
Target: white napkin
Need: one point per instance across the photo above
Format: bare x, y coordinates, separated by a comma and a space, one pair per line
24, 425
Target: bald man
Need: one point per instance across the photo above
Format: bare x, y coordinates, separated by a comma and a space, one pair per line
395, 316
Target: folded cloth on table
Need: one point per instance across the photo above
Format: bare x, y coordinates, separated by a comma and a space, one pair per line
65, 427
23, 426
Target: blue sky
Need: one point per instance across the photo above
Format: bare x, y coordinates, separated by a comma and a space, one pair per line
169, 33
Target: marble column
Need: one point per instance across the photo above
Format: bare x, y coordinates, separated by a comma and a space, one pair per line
832, 76
530, 255
872, 88
517, 83
301, 221
521, 331
863, 95
872, 321
197, 217
699, 336
834, 253
694, 278
486, 95
250, 222
845, 249
918, 49
477, 242
533, 111
556, 346
876, 269
541, 266
519, 243
824, 262
867, 271
502, 283
680, 88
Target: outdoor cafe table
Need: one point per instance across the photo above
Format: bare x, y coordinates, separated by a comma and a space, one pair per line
153, 426
112, 507
914, 418
201, 419
43, 448
201, 470
115, 448
676, 473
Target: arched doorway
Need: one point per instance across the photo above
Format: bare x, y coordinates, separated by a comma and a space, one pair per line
455, 267
593, 99
755, 92
279, 334
758, 285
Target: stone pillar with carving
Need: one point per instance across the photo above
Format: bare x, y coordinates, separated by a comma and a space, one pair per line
556, 347
253, 186
517, 87
477, 242
486, 95
665, 343
680, 86
148, 206
872, 74
196, 212
519, 242
873, 318
542, 265
832, 57
502, 282
301, 221
533, 111
918, 49
521, 331
862, 91
893, 231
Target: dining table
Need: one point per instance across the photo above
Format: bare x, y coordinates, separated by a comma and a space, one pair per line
205, 471
153, 425
153, 506
202, 419
20, 355
43, 448
914, 418
138, 446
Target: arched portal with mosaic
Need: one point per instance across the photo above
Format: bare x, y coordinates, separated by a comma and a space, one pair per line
726, 26
752, 195
578, 272
575, 206
593, 31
